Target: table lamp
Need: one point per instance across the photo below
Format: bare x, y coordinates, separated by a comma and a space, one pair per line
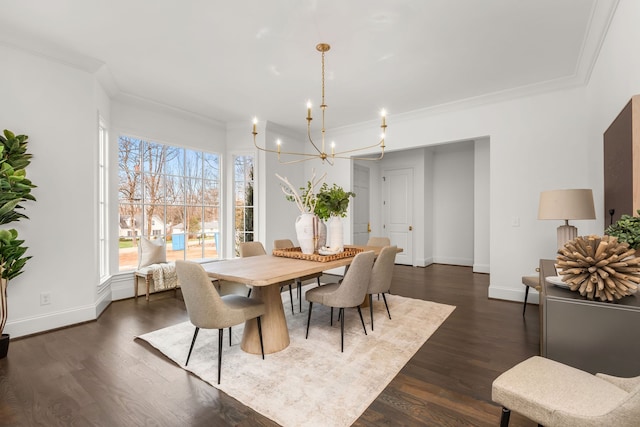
566, 205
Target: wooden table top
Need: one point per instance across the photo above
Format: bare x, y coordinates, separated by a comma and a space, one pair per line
265, 270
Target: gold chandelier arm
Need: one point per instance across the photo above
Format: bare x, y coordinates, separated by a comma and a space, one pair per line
341, 153
307, 156
310, 139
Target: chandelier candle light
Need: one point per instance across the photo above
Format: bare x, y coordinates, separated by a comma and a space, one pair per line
320, 153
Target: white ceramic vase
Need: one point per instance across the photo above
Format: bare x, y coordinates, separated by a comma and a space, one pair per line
322, 234
335, 236
306, 224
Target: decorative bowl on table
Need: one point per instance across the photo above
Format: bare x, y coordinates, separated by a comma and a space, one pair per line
330, 251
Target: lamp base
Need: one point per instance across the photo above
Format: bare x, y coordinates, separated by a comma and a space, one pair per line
566, 233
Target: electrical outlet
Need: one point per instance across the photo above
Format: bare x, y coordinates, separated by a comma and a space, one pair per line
45, 298
515, 221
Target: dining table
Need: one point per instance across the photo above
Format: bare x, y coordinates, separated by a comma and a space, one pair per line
265, 273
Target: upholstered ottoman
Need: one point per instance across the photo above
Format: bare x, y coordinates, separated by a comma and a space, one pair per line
554, 394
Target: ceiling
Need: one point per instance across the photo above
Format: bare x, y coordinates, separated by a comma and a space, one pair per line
233, 60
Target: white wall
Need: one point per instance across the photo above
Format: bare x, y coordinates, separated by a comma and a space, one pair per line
453, 204
428, 208
482, 217
279, 213
57, 107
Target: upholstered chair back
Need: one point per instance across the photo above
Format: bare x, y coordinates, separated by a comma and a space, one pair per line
353, 288
282, 244
383, 270
248, 249
205, 307
378, 241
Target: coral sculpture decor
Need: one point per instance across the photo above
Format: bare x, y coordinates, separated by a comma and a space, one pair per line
599, 267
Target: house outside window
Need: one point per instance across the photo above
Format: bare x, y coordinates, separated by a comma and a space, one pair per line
169, 193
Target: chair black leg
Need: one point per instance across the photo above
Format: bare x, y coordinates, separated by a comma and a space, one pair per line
371, 309
504, 420
309, 319
331, 323
361, 319
318, 279
229, 336
260, 335
386, 305
526, 295
291, 299
220, 335
300, 295
342, 330
193, 341
249, 293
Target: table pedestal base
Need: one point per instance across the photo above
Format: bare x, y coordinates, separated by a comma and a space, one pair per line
275, 334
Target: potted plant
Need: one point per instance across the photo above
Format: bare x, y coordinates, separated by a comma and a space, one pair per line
626, 229
15, 188
333, 203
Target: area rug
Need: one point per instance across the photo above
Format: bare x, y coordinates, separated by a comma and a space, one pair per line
311, 383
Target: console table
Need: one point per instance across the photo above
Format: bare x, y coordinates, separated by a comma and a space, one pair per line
589, 335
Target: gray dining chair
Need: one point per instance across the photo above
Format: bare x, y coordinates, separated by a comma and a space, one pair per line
249, 249
348, 294
378, 241
381, 275
286, 244
207, 309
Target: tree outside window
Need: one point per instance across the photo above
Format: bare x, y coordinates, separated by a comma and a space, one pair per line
170, 193
243, 198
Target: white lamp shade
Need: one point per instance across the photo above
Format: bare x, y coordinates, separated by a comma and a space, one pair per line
566, 204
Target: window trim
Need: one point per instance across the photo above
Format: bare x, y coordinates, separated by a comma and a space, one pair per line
103, 201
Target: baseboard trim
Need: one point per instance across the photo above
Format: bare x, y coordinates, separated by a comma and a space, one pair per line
49, 321
424, 262
453, 261
122, 286
510, 294
481, 268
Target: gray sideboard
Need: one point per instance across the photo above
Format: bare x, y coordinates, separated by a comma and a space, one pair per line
589, 335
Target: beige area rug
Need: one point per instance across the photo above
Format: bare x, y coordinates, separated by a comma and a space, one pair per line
311, 383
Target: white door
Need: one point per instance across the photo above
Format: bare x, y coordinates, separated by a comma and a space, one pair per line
398, 211
361, 205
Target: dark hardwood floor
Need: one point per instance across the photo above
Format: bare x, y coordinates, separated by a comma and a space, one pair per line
96, 374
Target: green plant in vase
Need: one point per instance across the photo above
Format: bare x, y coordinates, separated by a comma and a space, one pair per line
626, 229
15, 189
333, 203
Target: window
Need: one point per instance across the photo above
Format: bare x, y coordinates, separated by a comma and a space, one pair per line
243, 199
103, 226
168, 193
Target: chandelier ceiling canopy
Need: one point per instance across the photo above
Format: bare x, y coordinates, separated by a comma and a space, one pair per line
319, 152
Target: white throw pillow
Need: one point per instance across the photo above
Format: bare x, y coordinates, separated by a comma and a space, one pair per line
151, 252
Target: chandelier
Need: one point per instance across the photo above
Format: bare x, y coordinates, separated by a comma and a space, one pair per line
320, 152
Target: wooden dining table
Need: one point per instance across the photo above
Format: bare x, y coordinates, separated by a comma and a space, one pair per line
264, 273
